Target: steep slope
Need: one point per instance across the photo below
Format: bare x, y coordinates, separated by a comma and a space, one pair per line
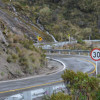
19, 24
18, 56
79, 18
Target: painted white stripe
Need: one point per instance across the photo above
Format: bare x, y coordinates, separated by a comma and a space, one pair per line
64, 66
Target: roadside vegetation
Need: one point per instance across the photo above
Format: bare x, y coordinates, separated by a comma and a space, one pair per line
79, 86
79, 18
76, 46
25, 13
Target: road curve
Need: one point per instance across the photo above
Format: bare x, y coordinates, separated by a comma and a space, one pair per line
76, 63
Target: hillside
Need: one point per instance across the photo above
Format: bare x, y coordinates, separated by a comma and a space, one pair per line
18, 56
21, 21
79, 18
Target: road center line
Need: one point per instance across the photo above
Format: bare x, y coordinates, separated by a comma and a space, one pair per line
92, 64
47, 83
32, 86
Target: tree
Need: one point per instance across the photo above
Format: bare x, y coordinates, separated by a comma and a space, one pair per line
80, 87
58, 96
80, 84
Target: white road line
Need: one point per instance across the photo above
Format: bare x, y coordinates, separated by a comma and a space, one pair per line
64, 66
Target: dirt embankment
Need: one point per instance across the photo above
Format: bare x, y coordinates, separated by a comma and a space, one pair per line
18, 57
10, 71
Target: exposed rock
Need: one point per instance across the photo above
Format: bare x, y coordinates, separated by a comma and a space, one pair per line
3, 38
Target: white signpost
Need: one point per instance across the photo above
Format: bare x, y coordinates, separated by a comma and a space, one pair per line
95, 55
69, 37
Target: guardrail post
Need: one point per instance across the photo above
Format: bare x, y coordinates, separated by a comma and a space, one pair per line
10, 98
59, 52
88, 54
49, 90
13, 98
79, 53
27, 95
69, 53
49, 52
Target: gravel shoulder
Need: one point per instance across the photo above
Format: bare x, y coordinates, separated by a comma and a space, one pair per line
52, 67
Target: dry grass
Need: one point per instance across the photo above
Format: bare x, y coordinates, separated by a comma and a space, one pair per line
22, 52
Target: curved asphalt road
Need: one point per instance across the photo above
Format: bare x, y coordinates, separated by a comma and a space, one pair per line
76, 63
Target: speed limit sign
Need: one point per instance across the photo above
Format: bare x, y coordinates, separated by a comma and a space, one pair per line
95, 55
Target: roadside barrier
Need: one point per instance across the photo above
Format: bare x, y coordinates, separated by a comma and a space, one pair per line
69, 52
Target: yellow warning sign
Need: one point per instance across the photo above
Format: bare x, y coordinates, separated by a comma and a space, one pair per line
39, 38
68, 35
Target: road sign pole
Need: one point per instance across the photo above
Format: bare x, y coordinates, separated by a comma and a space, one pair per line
95, 55
96, 68
69, 39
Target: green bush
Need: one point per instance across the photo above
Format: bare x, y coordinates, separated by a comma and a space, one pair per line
80, 41
18, 72
81, 83
9, 59
33, 60
61, 96
18, 49
98, 75
14, 56
6, 1
98, 95
23, 61
58, 96
2, 73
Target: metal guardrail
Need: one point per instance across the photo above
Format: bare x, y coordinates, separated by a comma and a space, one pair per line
57, 50
91, 40
50, 45
79, 52
30, 95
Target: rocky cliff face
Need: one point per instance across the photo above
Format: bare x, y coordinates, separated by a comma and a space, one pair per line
20, 22
18, 56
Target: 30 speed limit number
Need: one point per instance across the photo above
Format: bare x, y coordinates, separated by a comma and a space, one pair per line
95, 54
